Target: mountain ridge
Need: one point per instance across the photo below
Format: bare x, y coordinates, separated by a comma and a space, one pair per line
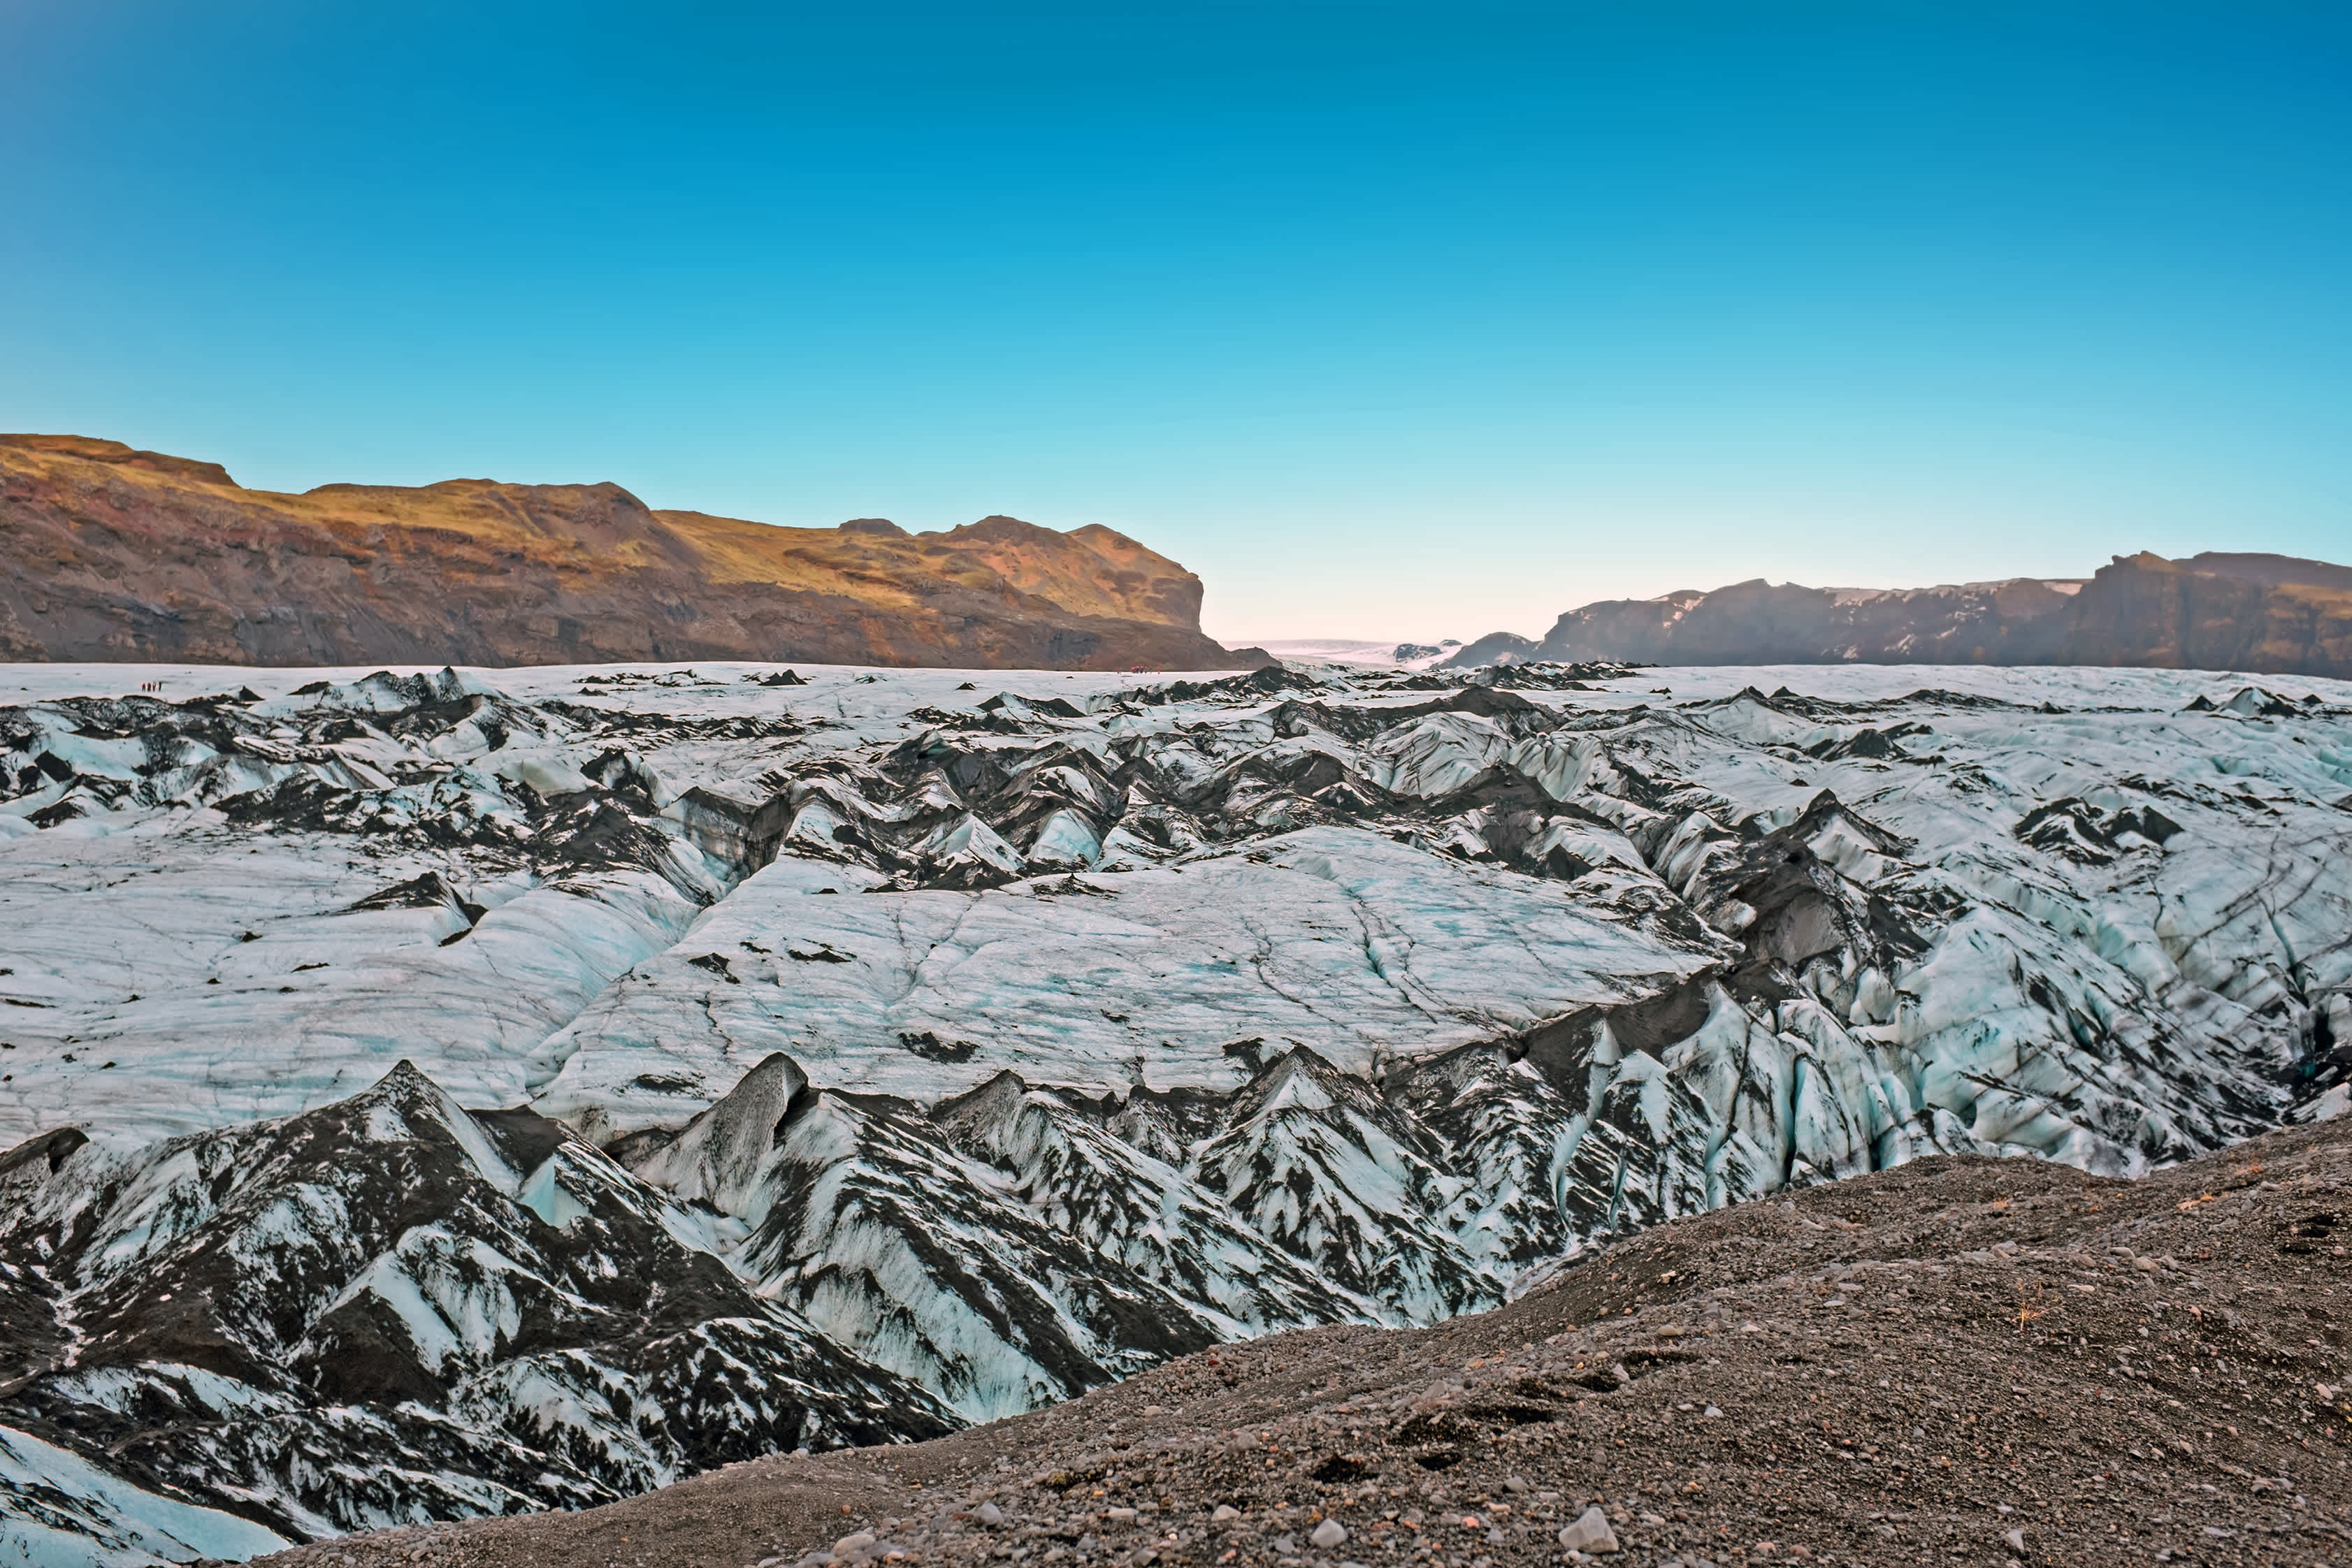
126, 555
2264, 614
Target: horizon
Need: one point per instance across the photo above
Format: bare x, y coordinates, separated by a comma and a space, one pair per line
1390, 320
1287, 639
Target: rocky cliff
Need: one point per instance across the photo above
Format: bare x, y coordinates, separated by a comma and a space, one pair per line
117, 554
2265, 613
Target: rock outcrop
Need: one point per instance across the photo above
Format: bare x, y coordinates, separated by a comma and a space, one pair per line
2262, 614
117, 554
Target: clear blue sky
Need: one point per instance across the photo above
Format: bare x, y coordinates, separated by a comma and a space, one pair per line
1388, 318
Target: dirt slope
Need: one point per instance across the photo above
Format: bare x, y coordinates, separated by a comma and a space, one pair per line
111, 553
1959, 1360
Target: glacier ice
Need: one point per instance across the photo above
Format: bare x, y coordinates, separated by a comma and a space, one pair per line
960, 1041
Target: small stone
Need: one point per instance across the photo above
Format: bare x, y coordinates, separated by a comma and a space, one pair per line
1154, 1410
1122, 1515
2016, 1539
1712, 1414
1328, 1534
987, 1513
851, 1545
1226, 1513
1515, 1484
1591, 1532
1285, 1546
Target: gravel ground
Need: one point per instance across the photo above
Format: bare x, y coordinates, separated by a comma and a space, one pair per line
1957, 1360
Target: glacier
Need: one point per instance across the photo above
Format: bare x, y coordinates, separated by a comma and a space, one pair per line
568, 1079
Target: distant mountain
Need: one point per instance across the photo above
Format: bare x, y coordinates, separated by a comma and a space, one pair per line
119, 554
2265, 613
1296, 650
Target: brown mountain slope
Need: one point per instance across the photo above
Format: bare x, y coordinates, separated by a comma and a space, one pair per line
2262, 613
115, 554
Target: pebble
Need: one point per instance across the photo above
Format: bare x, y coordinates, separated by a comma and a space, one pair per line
851, 1545
1589, 1532
989, 1513
1226, 1513
1328, 1534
